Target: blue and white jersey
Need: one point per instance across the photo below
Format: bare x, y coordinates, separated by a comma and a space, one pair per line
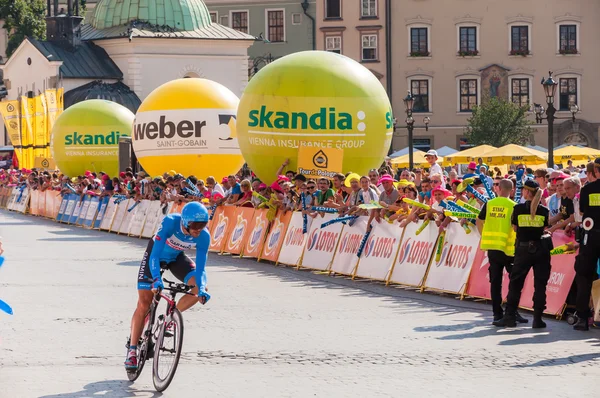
170, 241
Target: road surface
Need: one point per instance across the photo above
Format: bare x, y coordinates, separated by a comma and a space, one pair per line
267, 332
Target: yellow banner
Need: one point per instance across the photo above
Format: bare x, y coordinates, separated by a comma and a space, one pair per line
52, 114
10, 111
60, 100
39, 126
27, 137
45, 163
315, 162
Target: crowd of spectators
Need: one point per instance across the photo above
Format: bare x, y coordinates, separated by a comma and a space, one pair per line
383, 189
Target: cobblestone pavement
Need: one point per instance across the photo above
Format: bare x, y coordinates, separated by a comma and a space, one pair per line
268, 331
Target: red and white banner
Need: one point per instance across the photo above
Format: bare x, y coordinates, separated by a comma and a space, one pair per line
451, 272
345, 259
479, 279
560, 282
321, 243
414, 255
274, 240
380, 251
293, 244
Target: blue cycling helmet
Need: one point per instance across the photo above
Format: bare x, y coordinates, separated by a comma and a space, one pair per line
193, 212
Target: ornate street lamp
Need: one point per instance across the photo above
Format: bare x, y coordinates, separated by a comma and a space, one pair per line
550, 90
409, 101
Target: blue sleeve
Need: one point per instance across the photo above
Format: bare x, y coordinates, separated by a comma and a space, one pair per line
164, 232
236, 190
201, 257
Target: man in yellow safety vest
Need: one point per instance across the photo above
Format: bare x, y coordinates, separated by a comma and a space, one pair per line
498, 238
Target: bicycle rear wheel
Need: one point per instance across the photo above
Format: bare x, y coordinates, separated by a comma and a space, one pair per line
142, 351
167, 351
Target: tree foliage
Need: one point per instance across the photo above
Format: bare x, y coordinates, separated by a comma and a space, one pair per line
499, 122
23, 18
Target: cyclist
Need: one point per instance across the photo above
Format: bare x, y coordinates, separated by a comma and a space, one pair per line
177, 233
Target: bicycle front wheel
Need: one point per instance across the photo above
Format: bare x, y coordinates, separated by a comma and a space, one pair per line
167, 351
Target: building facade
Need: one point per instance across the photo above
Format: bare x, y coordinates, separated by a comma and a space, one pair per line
357, 30
453, 55
286, 26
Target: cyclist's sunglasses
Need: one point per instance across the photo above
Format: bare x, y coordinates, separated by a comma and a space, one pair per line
196, 226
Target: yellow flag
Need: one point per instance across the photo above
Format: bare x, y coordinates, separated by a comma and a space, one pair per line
27, 111
51, 115
10, 111
39, 126
60, 100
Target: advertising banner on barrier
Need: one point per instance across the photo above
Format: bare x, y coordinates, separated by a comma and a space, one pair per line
451, 272
11, 200
560, 282
109, 215
274, 241
63, 207
294, 241
137, 222
119, 216
85, 205
23, 201
414, 254
345, 259
257, 227
163, 213
380, 251
101, 211
151, 219
321, 243
88, 219
49, 205
71, 204
76, 210
35, 196
132, 207
221, 221
42, 204
238, 230
479, 278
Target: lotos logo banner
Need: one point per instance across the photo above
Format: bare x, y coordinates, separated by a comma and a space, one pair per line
219, 231
380, 247
322, 240
350, 243
295, 237
238, 232
256, 233
416, 252
455, 256
274, 237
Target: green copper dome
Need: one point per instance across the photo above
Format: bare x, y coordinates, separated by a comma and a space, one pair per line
181, 15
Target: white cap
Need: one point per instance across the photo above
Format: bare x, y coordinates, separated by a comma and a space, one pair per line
432, 152
582, 175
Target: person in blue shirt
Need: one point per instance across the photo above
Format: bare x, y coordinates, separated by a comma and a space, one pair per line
177, 233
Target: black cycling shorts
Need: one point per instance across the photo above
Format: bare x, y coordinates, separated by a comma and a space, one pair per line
183, 268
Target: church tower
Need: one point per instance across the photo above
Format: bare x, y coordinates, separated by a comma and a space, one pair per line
62, 27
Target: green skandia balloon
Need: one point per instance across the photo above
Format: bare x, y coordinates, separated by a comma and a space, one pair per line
86, 137
317, 99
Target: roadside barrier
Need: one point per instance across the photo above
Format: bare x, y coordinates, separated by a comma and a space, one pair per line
416, 256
